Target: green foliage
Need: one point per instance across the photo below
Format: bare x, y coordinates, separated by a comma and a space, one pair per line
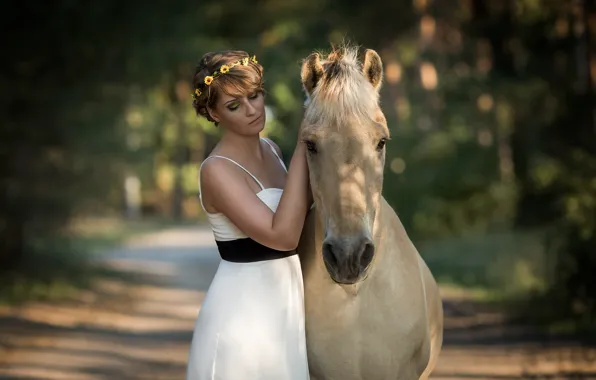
505, 265
490, 107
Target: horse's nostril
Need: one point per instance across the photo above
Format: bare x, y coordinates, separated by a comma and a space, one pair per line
348, 256
368, 251
330, 254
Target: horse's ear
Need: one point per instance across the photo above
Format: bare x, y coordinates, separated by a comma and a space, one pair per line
373, 68
311, 73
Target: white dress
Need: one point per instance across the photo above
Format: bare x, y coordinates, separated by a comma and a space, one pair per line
251, 323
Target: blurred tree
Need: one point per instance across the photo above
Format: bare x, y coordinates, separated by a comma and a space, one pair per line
62, 146
542, 57
491, 107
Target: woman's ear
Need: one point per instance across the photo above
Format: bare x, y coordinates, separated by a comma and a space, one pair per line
213, 114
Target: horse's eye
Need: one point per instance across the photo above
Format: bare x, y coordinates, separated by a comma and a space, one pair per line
381, 144
311, 146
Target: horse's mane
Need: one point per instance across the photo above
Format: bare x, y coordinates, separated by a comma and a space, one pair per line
343, 95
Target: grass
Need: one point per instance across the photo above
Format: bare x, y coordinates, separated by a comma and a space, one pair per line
59, 268
495, 266
510, 270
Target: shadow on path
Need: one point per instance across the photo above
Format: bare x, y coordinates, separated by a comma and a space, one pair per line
138, 325
478, 344
134, 326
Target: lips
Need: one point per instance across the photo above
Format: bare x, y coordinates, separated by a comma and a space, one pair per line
255, 120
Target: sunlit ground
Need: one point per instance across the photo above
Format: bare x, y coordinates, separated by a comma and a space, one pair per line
139, 326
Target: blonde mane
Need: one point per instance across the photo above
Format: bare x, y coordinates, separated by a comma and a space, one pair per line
343, 95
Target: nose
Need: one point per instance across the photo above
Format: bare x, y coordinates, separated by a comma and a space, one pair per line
347, 259
250, 110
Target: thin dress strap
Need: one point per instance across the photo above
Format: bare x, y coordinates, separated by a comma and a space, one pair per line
240, 166
229, 159
275, 152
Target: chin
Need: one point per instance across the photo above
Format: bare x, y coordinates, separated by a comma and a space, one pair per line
257, 127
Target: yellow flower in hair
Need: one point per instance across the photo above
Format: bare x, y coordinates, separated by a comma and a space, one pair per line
245, 61
224, 69
208, 80
198, 92
254, 59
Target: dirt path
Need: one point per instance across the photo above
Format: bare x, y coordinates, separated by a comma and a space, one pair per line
140, 326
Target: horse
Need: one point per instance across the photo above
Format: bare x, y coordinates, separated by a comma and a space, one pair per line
372, 307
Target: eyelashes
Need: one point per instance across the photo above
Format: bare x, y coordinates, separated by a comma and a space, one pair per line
235, 106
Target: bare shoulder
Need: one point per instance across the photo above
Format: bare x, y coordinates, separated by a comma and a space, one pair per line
217, 175
218, 170
275, 146
224, 186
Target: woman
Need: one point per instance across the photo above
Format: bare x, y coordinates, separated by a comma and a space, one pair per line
251, 323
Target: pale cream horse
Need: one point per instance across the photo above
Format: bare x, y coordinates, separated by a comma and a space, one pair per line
373, 309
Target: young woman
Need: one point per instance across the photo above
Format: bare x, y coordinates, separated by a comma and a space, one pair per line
251, 323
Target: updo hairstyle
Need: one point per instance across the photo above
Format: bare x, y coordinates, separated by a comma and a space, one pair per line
241, 80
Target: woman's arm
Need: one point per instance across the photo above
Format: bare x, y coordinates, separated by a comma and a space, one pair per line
276, 147
230, 194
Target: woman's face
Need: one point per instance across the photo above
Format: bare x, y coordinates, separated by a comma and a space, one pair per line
243, 115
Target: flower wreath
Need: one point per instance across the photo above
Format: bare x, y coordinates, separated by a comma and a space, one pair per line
224, 69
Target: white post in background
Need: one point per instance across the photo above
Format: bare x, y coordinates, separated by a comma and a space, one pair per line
132, 191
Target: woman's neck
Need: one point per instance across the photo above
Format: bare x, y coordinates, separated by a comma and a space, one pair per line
243, 146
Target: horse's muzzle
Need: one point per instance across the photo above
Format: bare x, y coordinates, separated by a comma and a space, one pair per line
347, 259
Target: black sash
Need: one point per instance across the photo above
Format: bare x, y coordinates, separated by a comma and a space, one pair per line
247, 251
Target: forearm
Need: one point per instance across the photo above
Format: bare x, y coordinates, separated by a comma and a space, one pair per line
288, 220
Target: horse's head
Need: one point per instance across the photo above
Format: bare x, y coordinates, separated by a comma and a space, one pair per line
345, 132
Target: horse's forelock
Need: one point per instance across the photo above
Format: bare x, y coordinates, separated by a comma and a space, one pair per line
344, 94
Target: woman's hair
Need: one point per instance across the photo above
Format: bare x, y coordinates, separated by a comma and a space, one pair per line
241, 79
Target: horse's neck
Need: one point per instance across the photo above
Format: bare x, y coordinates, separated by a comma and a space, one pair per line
394, 247
313, 228
311, 242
